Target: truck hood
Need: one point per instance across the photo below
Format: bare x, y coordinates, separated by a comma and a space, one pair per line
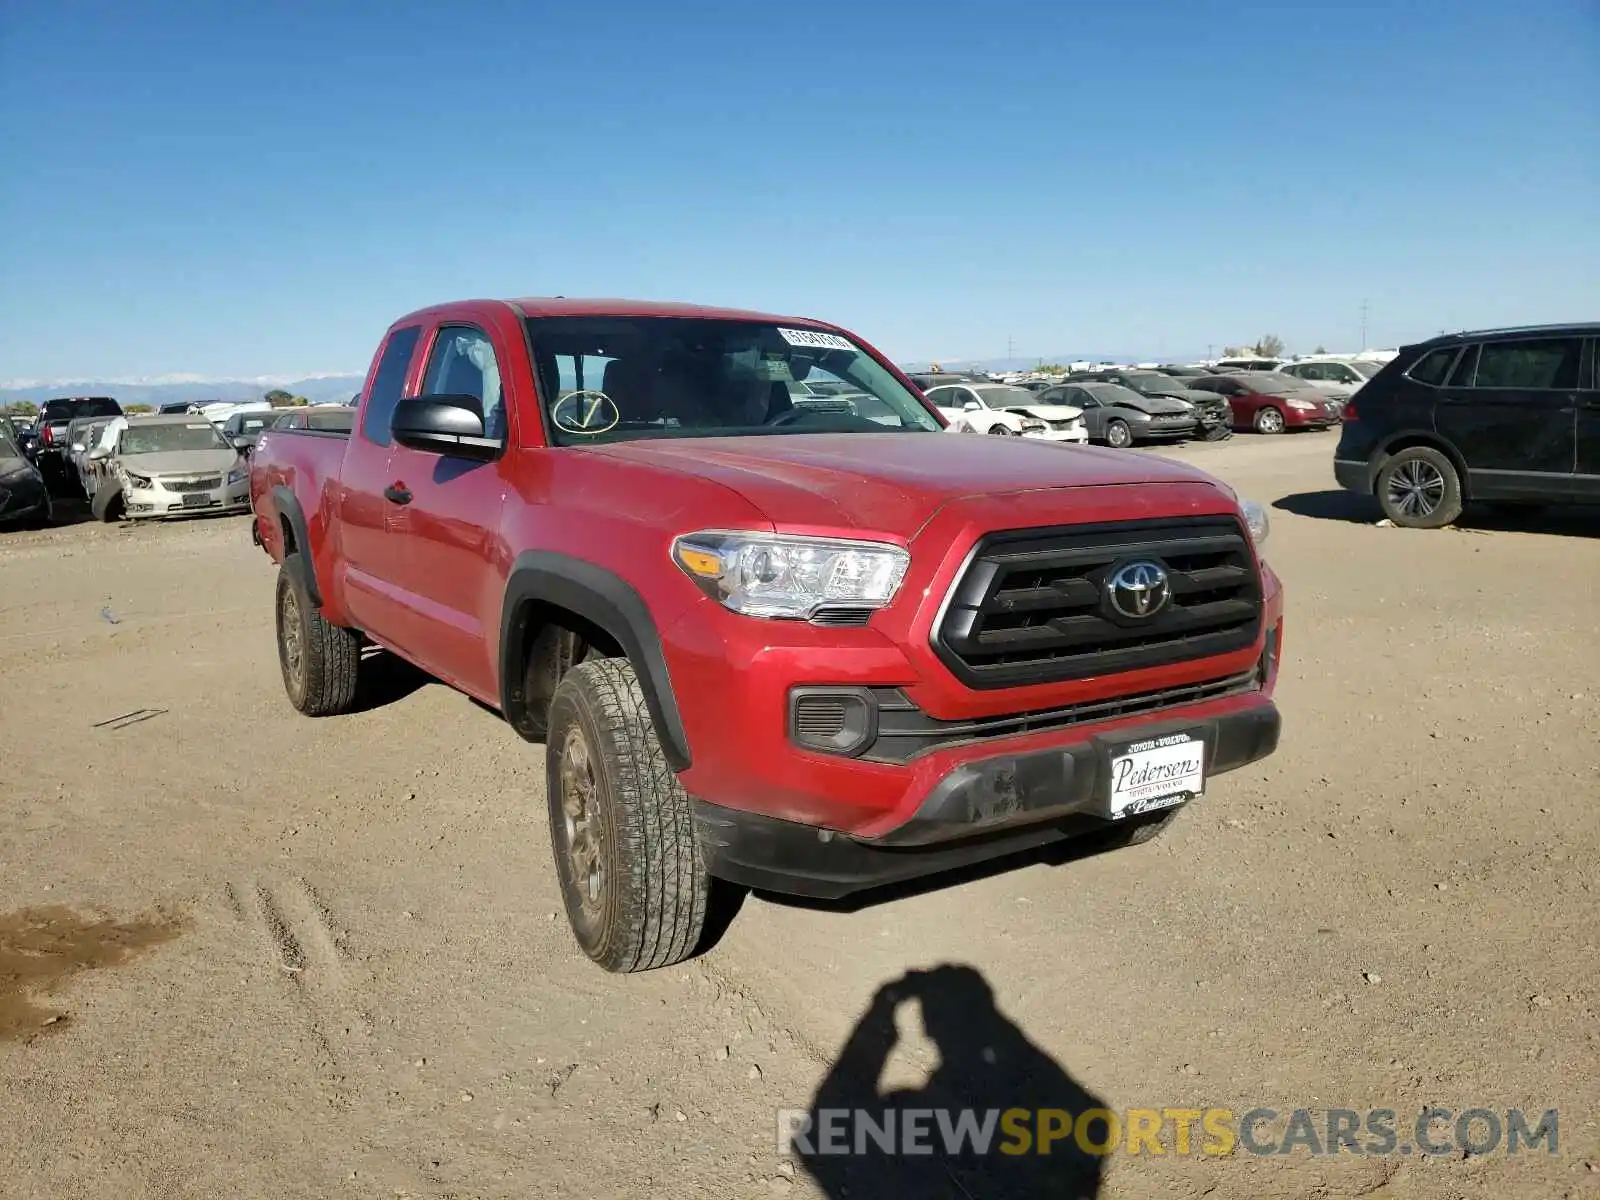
179, 462
888, 482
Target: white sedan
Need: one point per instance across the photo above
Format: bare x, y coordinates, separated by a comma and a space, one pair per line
1007, 411
1338, 377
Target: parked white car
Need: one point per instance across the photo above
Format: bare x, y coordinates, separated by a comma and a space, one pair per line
169, 466
1009, 411
1333, 375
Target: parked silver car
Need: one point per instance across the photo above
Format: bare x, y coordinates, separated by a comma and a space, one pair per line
170, 466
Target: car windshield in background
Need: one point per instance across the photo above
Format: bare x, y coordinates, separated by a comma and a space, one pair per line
341, 420
624, 378
89, 406
1006, 397
1366, 369
162, 439
1155, 382
1272, 381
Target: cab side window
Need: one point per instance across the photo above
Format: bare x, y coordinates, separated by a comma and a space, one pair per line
463, 364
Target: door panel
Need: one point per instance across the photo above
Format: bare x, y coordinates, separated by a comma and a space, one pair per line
368, 550
1512, 409
452, 567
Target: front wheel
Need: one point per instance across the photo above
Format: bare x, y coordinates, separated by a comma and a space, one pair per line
621, 826
1419, 489
107, 504
1119, 435
1269, 420
1001, 431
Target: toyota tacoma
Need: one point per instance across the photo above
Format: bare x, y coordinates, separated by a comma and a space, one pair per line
784, 646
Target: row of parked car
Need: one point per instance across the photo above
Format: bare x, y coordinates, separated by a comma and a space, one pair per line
1124, 406
137, 466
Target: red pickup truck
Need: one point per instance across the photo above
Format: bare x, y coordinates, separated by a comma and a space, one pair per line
772, 622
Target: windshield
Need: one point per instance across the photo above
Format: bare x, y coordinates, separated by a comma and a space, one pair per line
1154, 384
1005, 397
159, 439
1366, 369
1274, 381
8, 444
252, 424
623, 378
89, 406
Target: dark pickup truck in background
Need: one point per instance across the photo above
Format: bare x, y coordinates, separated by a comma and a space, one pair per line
51, 453
799, 649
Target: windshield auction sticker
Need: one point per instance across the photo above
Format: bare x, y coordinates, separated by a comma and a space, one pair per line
816, 339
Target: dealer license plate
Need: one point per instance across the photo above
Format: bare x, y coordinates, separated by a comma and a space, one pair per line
1159, 773
197, 500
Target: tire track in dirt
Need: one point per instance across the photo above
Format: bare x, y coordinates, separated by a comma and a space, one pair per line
303, 945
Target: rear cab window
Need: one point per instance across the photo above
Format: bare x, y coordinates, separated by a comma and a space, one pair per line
387, 384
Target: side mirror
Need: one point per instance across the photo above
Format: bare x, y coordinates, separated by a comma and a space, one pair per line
972, 406
99, 452
448, 425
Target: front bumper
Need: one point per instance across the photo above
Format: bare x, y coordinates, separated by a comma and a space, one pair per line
1078, 436
157, 502
980, 810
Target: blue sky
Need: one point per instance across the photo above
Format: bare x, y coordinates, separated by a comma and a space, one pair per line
261, 189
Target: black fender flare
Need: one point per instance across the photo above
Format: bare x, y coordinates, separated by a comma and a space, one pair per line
289, 510
609, 602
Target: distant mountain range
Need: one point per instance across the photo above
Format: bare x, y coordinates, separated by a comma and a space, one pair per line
999, 365
171, 389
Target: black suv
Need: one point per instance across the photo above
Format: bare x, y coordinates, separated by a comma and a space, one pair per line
1510, 416
50, 449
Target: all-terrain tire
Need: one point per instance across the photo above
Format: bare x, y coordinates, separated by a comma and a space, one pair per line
319, 660
1418, 488
107, 504
621, 826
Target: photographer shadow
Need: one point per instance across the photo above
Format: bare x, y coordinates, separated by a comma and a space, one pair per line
987, 1065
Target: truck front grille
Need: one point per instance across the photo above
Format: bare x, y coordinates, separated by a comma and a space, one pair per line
1034, 605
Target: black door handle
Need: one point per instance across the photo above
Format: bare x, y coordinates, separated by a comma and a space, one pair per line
397, 493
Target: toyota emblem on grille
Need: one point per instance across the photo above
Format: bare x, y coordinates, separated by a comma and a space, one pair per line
1139, 590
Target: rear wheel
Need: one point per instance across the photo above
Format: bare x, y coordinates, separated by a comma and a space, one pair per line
1269, 420
319, 660
1119, 435
621, 826
1418, 487
107, 504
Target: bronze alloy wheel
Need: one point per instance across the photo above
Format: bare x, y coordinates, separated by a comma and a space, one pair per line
291, 643
580, 810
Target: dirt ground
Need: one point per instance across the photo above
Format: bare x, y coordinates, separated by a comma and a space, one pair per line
329, 961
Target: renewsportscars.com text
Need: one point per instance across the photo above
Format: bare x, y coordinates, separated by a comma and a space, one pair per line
1208, 1132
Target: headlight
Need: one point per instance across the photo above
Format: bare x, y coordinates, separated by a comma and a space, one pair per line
239, 474
1304, 405
770, 575
138, 481
1255, 519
